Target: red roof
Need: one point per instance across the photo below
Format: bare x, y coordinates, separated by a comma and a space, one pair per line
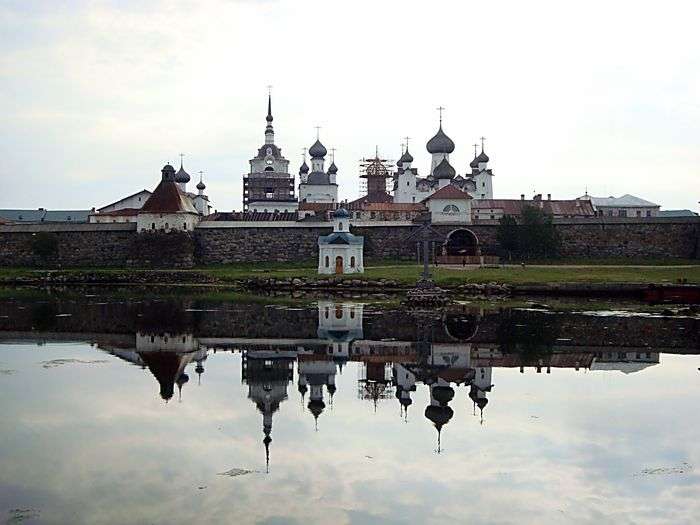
120, 213
317, 206
449, 192
167, 198
559, 208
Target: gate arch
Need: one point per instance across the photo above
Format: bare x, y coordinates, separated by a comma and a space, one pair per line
462, 243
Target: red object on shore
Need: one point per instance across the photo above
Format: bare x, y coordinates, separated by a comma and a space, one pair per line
687, 294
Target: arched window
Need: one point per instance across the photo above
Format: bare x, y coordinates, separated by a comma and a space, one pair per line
153, 226
166, 226
352, 261
340, 225
338, 311
184, 225
450, 209
327, 261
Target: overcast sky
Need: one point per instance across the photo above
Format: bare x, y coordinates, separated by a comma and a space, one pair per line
97, 96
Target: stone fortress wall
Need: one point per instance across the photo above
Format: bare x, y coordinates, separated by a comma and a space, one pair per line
119, 245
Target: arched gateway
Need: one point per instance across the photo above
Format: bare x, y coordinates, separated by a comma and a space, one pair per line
462, 247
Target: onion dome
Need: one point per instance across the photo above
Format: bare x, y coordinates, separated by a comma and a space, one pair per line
269, 109
444, 170
302, 389
341, 213
332, 169
483, 157
439, 415
201, 186
440, 143
316, 406
406, 158
318, 150
331, 389
304, 169
318, 178
474, 163
168, 172
443, 394
182, 175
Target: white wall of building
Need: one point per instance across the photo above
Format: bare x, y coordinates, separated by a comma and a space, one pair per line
450, 210
166, 221
273, 206
135, 201
318, 193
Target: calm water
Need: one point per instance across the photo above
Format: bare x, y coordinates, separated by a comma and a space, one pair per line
119, 409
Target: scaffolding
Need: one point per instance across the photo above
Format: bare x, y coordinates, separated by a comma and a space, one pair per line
376, 175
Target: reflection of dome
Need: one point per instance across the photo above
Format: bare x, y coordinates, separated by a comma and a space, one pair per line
443, 394
439, 415
316, 406
331, 389
341, 213
440, 143
302, 389
406, 401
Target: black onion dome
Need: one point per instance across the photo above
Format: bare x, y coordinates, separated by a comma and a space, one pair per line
406, 157
341, 213
439, 415
182, 175
201, 186
318, 150
440, 143
304, 168
443, 394
316, 406
405, 401
332, 169
474, 163
318, 178
444, 170
483, 157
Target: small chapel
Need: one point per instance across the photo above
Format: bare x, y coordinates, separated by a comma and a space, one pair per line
341, 251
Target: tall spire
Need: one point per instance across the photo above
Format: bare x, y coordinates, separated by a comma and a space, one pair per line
269, 131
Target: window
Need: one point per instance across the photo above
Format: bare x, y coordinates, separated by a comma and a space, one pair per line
622, 213
648, 213
327, 261
167, 226
450, 209
153, 226
483, 184
340, 225
639, 213
408, 183
610, 213
352, 262
184, 225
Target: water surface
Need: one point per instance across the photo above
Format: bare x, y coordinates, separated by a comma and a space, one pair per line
188, 410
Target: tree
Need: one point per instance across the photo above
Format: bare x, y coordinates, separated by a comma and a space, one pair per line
507, 235
534, 236
45, 246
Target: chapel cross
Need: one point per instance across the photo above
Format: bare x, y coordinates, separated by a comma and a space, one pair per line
441, 109
475, 146
482, 143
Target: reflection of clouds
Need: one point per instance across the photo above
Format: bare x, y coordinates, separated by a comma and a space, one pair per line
103, 442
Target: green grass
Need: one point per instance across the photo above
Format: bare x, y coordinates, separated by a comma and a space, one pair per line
408, 273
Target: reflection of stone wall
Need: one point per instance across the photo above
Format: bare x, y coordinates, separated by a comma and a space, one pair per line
253, 321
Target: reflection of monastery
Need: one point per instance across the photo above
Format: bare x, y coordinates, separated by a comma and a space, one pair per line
443, 356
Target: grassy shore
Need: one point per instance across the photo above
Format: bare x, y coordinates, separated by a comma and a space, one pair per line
409, 272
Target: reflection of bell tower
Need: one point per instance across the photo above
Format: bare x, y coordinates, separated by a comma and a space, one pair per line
316, 371
267, 376
441, 393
